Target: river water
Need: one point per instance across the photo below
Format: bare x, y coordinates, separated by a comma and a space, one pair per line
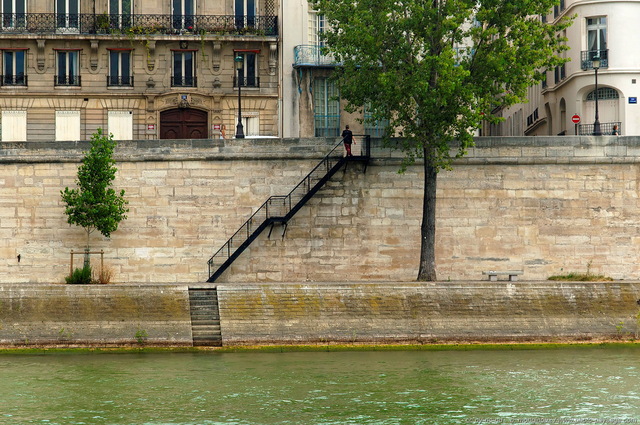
546, 386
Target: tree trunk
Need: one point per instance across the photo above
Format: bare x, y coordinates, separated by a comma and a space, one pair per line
87, 260
427, 272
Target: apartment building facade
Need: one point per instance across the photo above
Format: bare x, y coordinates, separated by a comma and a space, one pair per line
152, 69
565, 103
312, 106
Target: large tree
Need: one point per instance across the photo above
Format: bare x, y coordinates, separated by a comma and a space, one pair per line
94, 204
436, 69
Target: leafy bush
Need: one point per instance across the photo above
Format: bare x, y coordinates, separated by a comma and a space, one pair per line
80, 276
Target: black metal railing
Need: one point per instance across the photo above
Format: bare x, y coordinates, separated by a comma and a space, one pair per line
184, 82
14, 80
89, 23
119, 81
66, 80
248, 81
606, 128
587, 57
280, 209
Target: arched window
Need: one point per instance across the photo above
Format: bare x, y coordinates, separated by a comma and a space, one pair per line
604, 93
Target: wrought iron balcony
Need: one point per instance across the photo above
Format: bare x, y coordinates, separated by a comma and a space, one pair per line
311, 55
119, 81
88, 23
249, 81
66, 80
587, 56
184, 82
14, 80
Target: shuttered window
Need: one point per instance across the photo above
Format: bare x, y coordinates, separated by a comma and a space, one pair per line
14, 126
67, 125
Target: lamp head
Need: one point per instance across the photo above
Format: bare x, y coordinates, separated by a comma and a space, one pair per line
595, 62
239, 60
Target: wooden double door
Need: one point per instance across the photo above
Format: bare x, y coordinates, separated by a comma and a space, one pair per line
183, 123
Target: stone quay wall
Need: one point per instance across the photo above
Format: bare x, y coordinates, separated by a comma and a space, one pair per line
321, 313
94, 315
427, 312
544, 205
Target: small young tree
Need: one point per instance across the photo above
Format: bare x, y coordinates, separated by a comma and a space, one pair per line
95, 205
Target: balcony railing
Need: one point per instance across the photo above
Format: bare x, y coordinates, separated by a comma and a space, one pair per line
14, 80
119, 81
88, 23
66, 80
311, 55
184, 82
587, 56
249, 81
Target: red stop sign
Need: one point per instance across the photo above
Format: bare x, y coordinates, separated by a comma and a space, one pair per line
576, 119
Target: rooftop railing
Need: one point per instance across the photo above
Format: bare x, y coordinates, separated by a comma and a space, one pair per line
88, 23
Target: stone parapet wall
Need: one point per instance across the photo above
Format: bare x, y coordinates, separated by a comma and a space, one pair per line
426, 312
543, 205
94, 314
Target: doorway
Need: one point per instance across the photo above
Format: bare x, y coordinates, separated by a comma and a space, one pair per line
183, 124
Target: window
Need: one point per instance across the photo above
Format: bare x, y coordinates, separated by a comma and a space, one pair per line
374, 128
184, 68
183, 12
597, 34
13, 13
317, 25
326, 108
67, 126
13, 68
67, 15
604, 93
251, 125
120, 125
248, 74
67, 73
120, 68
245, 13
120, 13
14, 126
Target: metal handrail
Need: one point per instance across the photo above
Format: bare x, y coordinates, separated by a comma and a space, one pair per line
280, 208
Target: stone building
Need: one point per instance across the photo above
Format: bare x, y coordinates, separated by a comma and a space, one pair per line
151, 69
601, 30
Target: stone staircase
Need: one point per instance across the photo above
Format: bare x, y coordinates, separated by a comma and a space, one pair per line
205, 317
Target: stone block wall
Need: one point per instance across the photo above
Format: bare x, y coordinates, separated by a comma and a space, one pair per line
94, 314
543, 205
426, 312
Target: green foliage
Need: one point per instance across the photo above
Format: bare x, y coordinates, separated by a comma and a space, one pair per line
440, 67
80, 276
141, 336
580, 277
95, 205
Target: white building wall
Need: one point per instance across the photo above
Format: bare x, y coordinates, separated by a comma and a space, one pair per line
622, 74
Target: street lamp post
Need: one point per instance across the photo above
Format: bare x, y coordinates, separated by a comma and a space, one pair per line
596, 124
239, 60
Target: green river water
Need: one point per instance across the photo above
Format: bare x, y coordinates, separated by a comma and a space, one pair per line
545, 386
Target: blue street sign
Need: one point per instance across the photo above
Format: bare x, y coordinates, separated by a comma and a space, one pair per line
633, 100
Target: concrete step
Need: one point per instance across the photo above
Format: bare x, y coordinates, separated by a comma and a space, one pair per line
205, 317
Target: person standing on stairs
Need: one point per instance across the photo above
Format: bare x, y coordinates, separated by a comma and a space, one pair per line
347, 138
